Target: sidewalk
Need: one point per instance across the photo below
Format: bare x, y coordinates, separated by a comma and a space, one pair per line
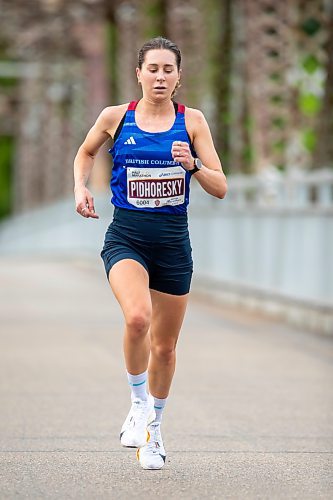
249, 417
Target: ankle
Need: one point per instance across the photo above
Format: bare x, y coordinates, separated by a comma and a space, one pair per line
159, 405
138, 385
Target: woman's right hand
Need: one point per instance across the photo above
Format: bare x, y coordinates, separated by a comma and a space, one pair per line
84, 202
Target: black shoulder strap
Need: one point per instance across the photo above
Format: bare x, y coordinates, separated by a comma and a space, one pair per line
175, 105
120, 126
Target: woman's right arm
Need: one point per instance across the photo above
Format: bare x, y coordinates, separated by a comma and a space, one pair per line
102, 130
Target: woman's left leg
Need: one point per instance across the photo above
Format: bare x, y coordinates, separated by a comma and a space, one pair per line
167, 317
168, 312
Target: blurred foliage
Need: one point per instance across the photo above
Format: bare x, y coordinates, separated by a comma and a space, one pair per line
309, 104
7, 142
309, 139
6, 159
311, 64
311, 26
111, 47
155, 12
262, 73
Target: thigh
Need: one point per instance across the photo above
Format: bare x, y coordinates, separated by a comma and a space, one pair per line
129, 281
171, 272
168, 312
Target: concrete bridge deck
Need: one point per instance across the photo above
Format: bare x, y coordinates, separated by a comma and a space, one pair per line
249, 417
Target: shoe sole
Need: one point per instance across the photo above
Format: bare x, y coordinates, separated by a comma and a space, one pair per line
149, 468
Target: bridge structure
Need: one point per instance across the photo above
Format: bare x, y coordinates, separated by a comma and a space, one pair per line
250, 412
267, 246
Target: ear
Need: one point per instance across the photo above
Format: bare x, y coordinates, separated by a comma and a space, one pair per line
180, 74
138, 73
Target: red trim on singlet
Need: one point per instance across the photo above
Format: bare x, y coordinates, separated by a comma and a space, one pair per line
133, 104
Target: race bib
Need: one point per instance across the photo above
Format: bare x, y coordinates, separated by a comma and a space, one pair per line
155, 187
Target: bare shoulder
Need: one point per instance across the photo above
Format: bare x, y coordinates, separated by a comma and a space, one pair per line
195, 120
110, 112
110, 117
194, 114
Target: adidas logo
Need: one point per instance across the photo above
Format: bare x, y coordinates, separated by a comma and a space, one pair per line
130, 141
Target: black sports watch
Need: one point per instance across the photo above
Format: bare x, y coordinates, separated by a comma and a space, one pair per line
197, 166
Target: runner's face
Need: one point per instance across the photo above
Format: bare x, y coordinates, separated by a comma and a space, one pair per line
159, 74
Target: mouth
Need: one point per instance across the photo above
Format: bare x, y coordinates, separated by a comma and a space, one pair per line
160, 87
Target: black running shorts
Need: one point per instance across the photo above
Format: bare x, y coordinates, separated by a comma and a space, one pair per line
158, 241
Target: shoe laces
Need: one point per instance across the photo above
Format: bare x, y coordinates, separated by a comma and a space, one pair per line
139, 412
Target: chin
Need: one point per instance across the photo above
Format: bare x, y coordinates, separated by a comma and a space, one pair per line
161, 95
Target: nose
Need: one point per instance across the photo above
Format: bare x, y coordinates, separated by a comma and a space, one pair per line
160, 76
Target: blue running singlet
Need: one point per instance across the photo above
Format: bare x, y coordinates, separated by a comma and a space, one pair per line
144, 174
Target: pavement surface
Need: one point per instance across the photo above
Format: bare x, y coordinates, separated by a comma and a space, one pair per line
249, 416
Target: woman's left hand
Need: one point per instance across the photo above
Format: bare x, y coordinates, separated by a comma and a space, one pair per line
181, 153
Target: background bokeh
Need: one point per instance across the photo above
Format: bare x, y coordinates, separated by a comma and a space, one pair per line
261, 71
250, 412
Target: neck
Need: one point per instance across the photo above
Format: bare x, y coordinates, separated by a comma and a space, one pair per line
155, 108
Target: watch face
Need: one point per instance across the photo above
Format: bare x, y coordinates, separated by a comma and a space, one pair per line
198, 163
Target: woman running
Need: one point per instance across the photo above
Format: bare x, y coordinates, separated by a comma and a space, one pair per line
158, 146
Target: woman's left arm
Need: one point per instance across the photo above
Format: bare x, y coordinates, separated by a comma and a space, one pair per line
210, 176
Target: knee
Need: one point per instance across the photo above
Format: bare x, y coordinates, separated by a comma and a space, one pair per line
137, 323
164, 353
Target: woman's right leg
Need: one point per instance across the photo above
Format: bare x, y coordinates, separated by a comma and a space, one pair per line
130, 283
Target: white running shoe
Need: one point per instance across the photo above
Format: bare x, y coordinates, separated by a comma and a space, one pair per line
134, 430
152, 455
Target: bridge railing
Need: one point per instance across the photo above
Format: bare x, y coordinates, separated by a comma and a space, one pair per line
269, 244
273, 188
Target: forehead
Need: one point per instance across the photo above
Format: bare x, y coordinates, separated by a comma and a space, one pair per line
160, 57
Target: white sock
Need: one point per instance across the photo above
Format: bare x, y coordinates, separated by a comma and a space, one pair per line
138, 384
159, 405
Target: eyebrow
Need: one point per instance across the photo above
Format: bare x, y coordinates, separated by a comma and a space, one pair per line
154, 64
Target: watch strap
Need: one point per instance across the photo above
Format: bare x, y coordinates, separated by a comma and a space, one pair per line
195, 169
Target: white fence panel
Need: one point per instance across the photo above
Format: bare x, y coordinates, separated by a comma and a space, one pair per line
268, 243
271, 236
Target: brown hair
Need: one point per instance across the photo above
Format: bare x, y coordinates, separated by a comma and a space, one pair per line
159, 43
